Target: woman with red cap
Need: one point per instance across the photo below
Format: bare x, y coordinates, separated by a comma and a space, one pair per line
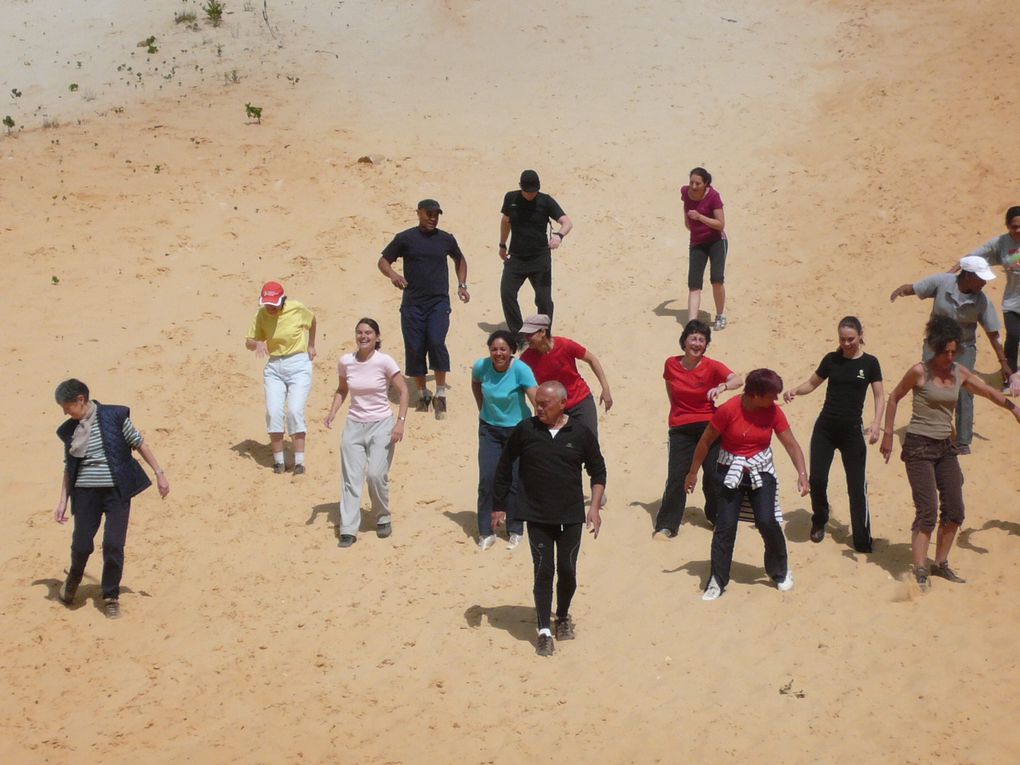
284, 331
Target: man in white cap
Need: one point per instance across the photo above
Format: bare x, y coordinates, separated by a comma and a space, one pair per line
960, 297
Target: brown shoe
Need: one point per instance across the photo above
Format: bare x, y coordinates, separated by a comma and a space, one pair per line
923, 581
545, 646
68, 591
943, 571
564, 628
111, 607
439, 407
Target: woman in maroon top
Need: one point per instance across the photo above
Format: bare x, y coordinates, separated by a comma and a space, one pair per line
704, 218
693, 382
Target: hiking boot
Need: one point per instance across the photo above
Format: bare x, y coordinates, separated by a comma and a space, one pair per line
111, 608
424, 400
564, 628
346, 540
383, 530
68, 591
921, 575
943, 571
713, 591
545, 646
439, 407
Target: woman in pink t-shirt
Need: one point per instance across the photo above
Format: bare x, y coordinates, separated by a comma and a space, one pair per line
704, 218
746, 424
693, 382
370, 435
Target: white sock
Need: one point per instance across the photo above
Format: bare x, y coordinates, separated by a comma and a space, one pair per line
545, 631
299, 458
441, 390
278, 458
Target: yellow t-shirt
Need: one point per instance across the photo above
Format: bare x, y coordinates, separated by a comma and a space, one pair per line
285, 333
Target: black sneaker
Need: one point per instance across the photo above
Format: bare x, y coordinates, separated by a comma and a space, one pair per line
943, 571
111, 607
383, 530
279, 467
921, 575
68, 591
346, 540
299, 469
817, 533
545, 646
564, 628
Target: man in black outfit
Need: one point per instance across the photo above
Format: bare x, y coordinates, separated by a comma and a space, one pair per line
526, 216
425, 307
551, 448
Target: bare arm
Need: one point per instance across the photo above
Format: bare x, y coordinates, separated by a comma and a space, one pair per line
530, 393
979, 387
311, 340
476, 391
1000, 354
913, 376
902, 291
803, 389
150, 459
504, 234
338, 400
462, 290
732, 382
398, 382
789, 442
259, 346
592, 360
878, 393
60, 514
396, 279
556, 238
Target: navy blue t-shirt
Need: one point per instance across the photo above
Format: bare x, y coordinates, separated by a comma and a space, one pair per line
425, 266
529, 224
849, 380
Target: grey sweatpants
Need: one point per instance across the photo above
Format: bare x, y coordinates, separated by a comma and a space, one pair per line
365, 452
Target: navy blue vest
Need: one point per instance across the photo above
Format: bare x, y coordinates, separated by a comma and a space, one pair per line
128, 475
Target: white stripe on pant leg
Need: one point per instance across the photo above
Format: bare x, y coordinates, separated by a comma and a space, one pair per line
276, 395
380, 457
353, 458
299, 383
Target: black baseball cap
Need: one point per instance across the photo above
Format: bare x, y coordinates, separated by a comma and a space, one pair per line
430, 204
529, 181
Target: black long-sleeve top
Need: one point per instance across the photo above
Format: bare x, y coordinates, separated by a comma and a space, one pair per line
550, 471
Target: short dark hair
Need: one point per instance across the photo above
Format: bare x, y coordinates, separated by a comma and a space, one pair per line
696, 327
504, 335
375, 328
1011, 213
940, 331
761, 382
703, 174
69, 390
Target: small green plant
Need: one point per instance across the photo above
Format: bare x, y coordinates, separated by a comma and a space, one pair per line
213, 10
219, 51
15, 92
151, 49
157, 169
253, 112
9, 123
54, 280
232, 77
73, 87
185, 17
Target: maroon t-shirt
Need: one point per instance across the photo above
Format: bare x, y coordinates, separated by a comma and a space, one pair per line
700, 233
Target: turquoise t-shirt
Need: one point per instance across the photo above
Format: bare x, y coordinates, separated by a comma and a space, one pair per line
504, 403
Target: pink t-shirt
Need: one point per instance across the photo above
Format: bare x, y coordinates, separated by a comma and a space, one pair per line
700, 233
368, 383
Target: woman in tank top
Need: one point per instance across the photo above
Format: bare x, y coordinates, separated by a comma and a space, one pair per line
929, 446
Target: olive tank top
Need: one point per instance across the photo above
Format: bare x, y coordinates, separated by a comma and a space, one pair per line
934, 407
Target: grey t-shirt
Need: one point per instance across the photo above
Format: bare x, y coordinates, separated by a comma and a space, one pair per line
999, 251
968, 309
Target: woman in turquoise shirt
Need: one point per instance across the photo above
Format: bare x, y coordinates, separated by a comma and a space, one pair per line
500, 384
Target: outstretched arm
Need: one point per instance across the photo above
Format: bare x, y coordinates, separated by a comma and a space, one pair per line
592, 360
803, 389
902, 291
979, 387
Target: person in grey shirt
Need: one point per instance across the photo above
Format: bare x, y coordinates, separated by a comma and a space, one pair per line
960, 297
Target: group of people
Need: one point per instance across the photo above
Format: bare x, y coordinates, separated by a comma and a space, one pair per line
530, 467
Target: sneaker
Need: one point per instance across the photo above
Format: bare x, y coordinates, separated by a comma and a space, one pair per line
817, 533
943, 571
346, 540
720, 322
279, 467
663, 535
545, 646
439, 407
564, 628
299, 469
513, 540
787, 584
713, 591
424, 400
67, 592
484, 543
111, 607
921, 575
383, 530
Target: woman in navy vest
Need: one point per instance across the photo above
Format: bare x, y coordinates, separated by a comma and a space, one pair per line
100, 477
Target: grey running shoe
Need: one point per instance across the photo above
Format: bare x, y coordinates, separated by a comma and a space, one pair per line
383, 530
439, 407
485, 543
111, 607
720, 323
346, 540
943, 571
921, 575
513, 540
545, 646
564, 628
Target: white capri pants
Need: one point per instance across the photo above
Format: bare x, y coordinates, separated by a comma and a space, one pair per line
288, 379
366, 452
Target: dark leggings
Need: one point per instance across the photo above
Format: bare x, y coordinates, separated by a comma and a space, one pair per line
848, 437
682, 441
1012, 345
88, 507
702, 255
567, 541
763, 502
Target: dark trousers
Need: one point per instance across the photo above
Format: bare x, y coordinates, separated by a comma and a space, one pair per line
491, 440
763, 503
848, 437
936, 481
88, 507
1012, 344
566, 539
425, 326
510, 285
585, 412
682, 441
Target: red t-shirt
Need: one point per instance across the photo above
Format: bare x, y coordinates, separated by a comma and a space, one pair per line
560, 364
688, 389
746, 433
700, 233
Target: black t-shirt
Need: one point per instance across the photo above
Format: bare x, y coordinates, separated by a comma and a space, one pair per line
849, 380
425, 266
529, 224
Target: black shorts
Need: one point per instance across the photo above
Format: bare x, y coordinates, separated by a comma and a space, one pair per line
702, 254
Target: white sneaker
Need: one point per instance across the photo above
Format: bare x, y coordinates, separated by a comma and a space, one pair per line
512, 541
787, 584
720, 322
713, 591
486, 542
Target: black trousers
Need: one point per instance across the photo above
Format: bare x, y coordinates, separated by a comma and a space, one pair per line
848, 437
1012, 344
554, 546
511, 284
763, 502
88, 507
682, 441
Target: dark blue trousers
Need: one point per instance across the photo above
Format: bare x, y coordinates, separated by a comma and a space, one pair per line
491, 440
425, 326
88, 506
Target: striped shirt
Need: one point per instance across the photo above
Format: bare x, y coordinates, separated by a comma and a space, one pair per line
754, 466
94, 472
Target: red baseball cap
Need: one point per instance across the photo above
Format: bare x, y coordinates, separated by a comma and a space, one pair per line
272, 294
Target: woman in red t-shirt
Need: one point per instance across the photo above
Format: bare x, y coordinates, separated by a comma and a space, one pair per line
693, 382
556, 359
746, 425
704, 218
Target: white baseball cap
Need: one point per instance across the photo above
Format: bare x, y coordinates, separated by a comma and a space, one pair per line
977, 266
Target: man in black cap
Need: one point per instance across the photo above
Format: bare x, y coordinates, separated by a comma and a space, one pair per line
425, 308
526, 216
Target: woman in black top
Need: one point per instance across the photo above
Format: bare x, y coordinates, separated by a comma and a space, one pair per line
850, 371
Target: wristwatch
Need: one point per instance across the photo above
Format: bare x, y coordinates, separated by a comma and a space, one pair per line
462, 286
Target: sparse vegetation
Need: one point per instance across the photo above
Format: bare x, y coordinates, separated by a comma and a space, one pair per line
54, 280
9, 123
219, 51
185, 17
213, 10
253, 112
15, 92
157, 169
73, 87
232, 77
